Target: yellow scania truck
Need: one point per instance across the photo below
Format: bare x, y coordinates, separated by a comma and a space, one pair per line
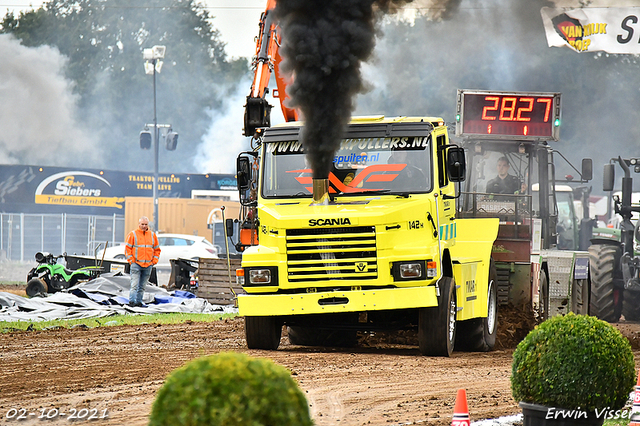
375, 245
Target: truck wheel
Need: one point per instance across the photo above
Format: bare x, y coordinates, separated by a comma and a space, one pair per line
263, 332
631, 305
437, 325
606, 299
36, 287
479, 334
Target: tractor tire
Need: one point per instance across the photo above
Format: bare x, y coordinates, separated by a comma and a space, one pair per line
606, 298
37, 287
437, 325
263, 332
479, 334
631, 305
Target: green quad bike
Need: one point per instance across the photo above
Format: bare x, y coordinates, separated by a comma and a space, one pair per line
48, 276
613, 262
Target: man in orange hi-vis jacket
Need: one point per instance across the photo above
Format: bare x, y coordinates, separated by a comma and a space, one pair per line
142, 252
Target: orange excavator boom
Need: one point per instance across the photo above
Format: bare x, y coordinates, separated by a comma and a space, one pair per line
257, 113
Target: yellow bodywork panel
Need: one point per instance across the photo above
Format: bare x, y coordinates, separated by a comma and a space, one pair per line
470, 257
339, 301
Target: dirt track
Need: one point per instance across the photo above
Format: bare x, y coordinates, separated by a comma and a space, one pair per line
119, 369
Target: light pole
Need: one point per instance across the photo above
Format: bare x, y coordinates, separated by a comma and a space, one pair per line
152, 65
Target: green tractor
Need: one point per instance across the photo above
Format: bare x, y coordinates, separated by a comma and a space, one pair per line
614, 266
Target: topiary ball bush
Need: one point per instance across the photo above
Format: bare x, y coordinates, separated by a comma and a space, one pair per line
230, 389
573, 362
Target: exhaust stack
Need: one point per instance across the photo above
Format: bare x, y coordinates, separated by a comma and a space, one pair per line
321, 191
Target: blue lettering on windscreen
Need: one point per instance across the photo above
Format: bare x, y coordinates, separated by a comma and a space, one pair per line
356, 158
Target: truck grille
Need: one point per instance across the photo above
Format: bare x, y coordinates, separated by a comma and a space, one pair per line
332, 254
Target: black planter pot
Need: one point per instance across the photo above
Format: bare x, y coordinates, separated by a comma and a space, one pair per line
540, 415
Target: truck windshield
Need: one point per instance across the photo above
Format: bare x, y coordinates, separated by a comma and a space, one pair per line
360, 167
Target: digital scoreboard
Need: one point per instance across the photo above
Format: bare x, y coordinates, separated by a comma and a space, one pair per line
508, 115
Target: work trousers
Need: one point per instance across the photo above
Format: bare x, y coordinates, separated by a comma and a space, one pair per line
139, 280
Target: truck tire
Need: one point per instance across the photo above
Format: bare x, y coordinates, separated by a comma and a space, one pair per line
263, 332
36, 287
606, 298
479, 334
631, 305
437, 325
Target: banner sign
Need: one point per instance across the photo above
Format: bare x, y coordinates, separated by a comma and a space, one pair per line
34, 189
610, 29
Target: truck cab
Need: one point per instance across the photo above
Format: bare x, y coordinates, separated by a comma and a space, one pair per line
374, 245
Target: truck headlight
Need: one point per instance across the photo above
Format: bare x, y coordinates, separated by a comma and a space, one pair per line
410, 270
260, 276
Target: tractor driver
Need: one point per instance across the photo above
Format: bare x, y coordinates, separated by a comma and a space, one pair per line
504, 183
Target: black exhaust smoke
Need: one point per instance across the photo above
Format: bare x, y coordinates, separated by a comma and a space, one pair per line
324, 43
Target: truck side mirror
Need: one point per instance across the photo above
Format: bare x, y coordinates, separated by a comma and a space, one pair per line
243, 176
456, 164
608, 177
587, 169
229, 225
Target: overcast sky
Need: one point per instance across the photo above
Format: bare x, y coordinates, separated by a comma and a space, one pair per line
237, 20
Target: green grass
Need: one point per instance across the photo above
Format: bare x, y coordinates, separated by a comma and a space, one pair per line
114, 320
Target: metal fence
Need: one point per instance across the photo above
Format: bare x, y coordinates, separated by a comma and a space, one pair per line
22, 235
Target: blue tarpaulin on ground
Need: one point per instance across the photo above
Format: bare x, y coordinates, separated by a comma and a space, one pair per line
104, 296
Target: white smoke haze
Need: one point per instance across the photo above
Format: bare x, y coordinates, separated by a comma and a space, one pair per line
461, 44
219, 148
38, 111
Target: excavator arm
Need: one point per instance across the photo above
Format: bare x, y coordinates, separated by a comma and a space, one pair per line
257, 113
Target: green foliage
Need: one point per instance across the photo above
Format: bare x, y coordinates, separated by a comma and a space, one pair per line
230, 389
573, 362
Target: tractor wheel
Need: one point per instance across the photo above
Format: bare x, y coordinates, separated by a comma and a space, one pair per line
606, 298
479, 334
631, 305
37, 287
437, 325
263, 332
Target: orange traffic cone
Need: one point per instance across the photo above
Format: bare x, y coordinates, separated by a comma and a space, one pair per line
460, 410
635, 409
